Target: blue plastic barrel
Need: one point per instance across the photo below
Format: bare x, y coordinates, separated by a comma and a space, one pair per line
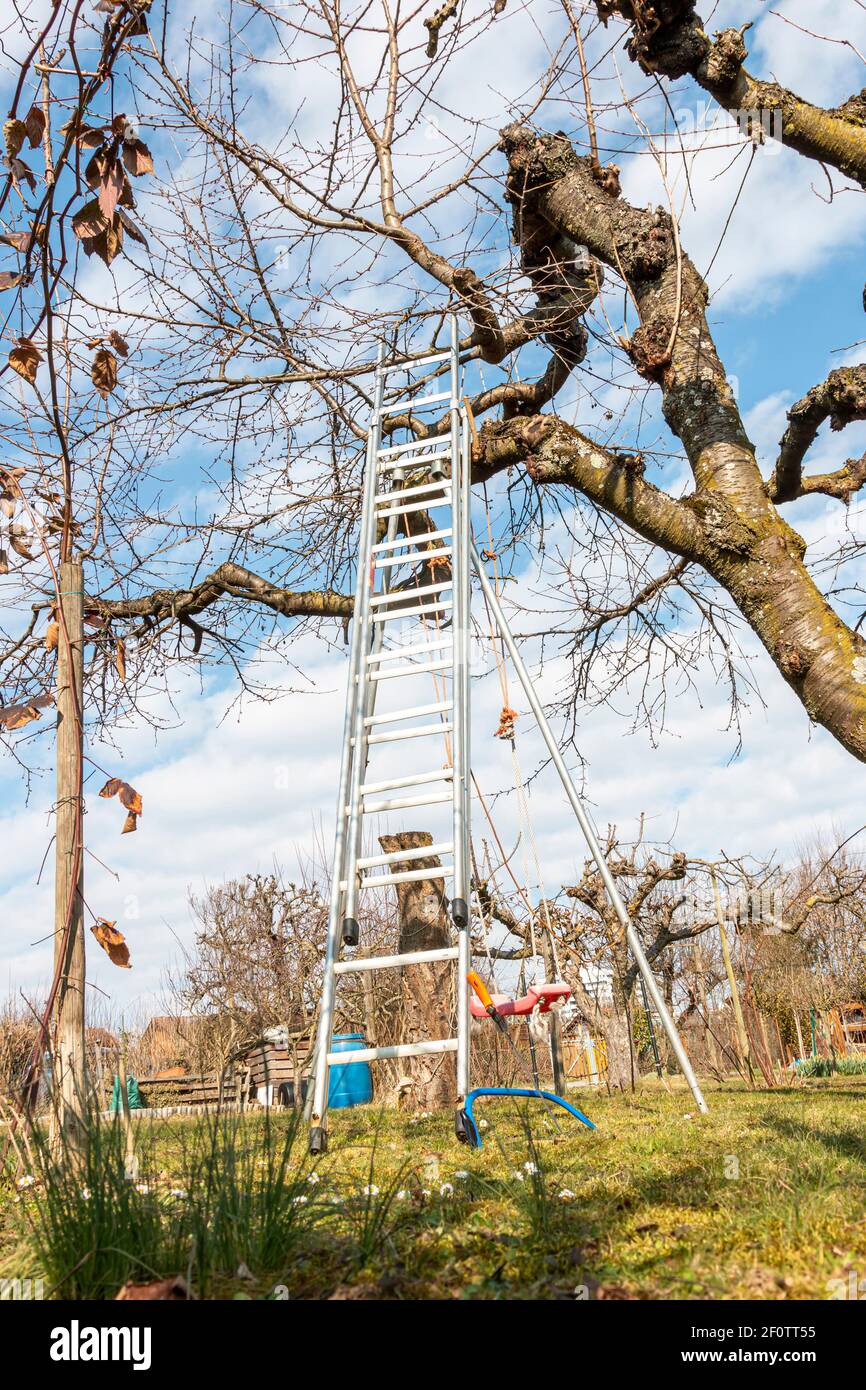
349, 1083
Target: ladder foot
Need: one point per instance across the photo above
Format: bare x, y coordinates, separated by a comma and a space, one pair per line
460, 912
351, 931
465, 1130
318, 1139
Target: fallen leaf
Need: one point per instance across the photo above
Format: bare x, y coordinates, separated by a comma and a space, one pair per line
103, 373
161, 1290
25, 359
112, 941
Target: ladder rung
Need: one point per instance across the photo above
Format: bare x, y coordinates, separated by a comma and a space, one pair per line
419, 668
346, 967
415, 779
408, 876
398, 595
407, 403
413, 491
421, 556
398, 856
420, 608
377, 1054
413, 540
394, 653
391, 450
417, 362
405, 803
424, 731
440, 707
421, 507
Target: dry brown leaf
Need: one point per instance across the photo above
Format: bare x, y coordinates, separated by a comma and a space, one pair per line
120, 658
89, 221
129, 798
4, 562
52, 635
119, 344
130, 825
112, 941
134, 230
19, 547
34, 124
110, 186
9, 279
160, 1290
16, 716
136, 157
20, 170
103, 373
25, 359
14, 135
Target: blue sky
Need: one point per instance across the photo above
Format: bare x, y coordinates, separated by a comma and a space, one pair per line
230, 791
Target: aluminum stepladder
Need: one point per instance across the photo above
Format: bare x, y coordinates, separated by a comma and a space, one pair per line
415, 479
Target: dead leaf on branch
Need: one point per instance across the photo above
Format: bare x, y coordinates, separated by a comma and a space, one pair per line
52, 633
25, 358
19, 546
134, 230
112, 941
4, 562
119, 344
103, 373
16, 716
34, 124
20, 171
137, 158
120, 658
89, 221
14, 135
129, 798
110, 187
9, 279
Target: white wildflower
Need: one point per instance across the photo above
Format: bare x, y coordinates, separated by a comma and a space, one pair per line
446, 1190
461, 1175
566, 1195
143, 1188
27, 1180
299, 1201
313, 1178
371, 1190
530, 1167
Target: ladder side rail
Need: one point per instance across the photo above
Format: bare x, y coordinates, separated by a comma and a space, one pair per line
460, 899
351, 930
318, 1078
464, 962
585, 824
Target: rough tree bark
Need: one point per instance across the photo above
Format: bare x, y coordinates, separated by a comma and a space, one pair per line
729, 523
427, 994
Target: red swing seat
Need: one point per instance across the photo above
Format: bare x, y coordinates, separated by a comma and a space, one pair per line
537, 996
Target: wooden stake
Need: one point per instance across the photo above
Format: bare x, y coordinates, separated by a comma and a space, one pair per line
69, 1057
742, 1035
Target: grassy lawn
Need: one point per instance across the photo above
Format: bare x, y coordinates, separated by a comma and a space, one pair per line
762, 1199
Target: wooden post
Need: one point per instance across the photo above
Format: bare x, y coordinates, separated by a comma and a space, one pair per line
130, 1159
556, 1061
742, 1035
712, 1051
69, 1058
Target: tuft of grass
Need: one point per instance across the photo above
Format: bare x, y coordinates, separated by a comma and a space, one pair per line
812, 1067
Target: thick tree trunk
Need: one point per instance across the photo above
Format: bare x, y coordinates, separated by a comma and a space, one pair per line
426, 989
729, 525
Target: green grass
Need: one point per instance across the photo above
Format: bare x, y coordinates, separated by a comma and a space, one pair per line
761, 1199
